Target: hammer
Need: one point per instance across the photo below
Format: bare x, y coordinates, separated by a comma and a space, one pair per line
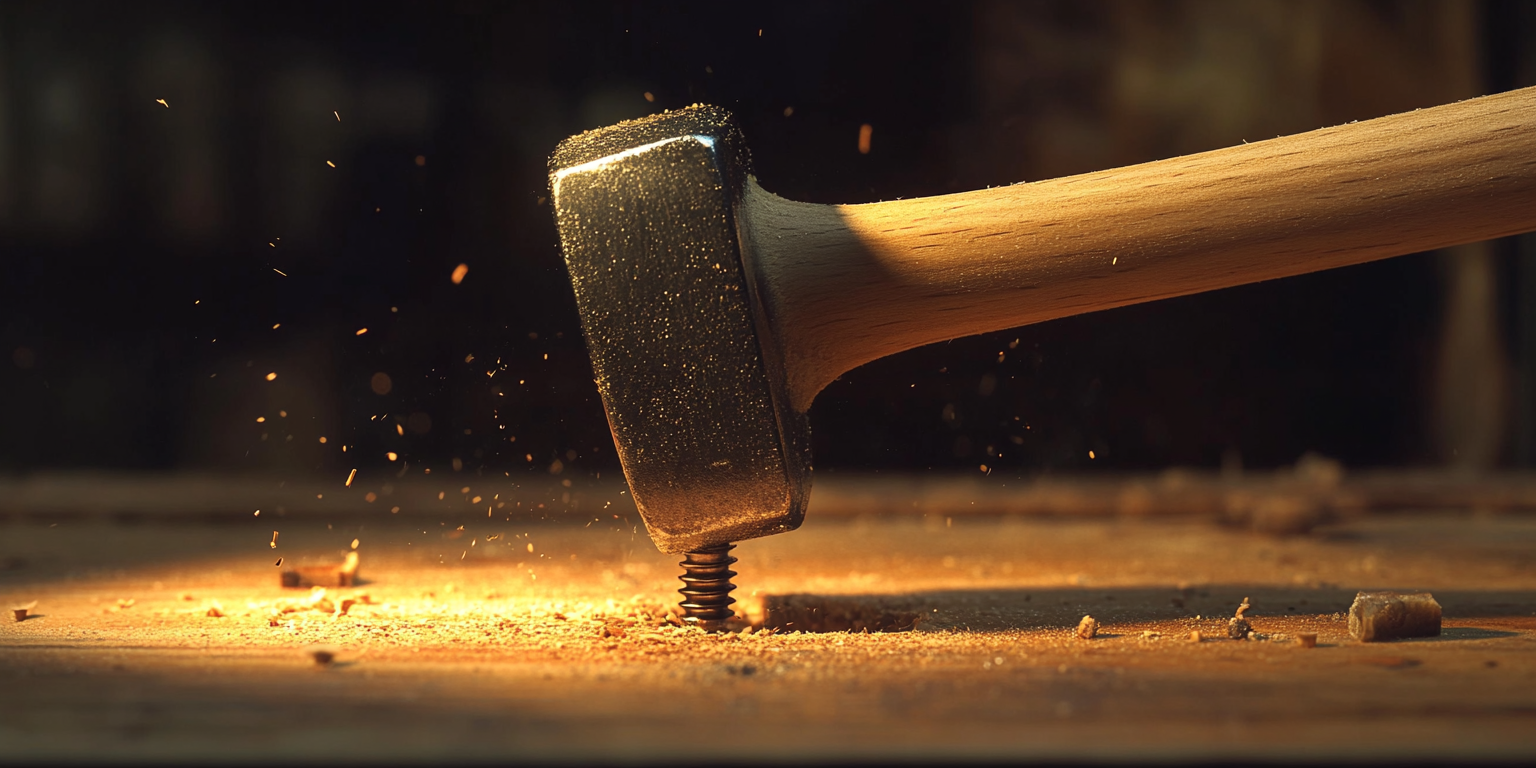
714, 311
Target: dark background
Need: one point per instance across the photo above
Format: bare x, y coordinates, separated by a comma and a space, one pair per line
141, 243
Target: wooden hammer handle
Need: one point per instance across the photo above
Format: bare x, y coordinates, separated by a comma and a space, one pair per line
847, 284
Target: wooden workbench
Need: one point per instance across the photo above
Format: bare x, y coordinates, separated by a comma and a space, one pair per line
461, 646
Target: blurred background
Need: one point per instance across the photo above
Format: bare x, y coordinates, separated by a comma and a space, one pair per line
232, 233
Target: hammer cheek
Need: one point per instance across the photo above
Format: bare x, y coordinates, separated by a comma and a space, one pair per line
695, 400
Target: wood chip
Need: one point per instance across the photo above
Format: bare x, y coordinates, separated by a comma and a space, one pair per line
1307, 639
342, 575
1378, 616
1088, 628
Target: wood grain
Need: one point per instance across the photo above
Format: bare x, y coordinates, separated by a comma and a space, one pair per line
844, 285
471, 658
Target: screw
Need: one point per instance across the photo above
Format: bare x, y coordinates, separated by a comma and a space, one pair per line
707, 587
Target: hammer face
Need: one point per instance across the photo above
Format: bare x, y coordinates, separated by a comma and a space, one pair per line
690, 379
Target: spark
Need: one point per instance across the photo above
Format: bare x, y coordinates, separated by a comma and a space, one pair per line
458, 273
163, 103
865, 132
350, 476
360, 331
274, 540
279, 271
391, 456
272, 376
337, 114
331, 164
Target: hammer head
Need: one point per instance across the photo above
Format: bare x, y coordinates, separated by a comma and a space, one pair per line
693, 385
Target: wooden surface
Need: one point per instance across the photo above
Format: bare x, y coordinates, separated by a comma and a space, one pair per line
469, 647
844, 285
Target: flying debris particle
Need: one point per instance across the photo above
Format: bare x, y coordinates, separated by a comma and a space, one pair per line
353, 474
279, 271
274, 540
337, 114
865, 132
361, 331
272, 376
162, 103
458, 273
258, 513
278, 563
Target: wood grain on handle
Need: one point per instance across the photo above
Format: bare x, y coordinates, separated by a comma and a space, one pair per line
844, 285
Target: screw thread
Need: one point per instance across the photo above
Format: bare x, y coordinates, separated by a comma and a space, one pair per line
707, 586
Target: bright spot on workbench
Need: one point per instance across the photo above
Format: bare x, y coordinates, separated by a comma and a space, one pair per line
272, 376
865, 132
380, 383
458, 273
162, 103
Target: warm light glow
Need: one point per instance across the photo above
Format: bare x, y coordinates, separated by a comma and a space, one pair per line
272, 376
361, 331
865, 132
458, 273
391, 456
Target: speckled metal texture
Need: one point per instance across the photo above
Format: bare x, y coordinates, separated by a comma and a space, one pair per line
690, 378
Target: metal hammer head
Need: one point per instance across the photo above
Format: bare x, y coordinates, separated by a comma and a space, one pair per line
694, 387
